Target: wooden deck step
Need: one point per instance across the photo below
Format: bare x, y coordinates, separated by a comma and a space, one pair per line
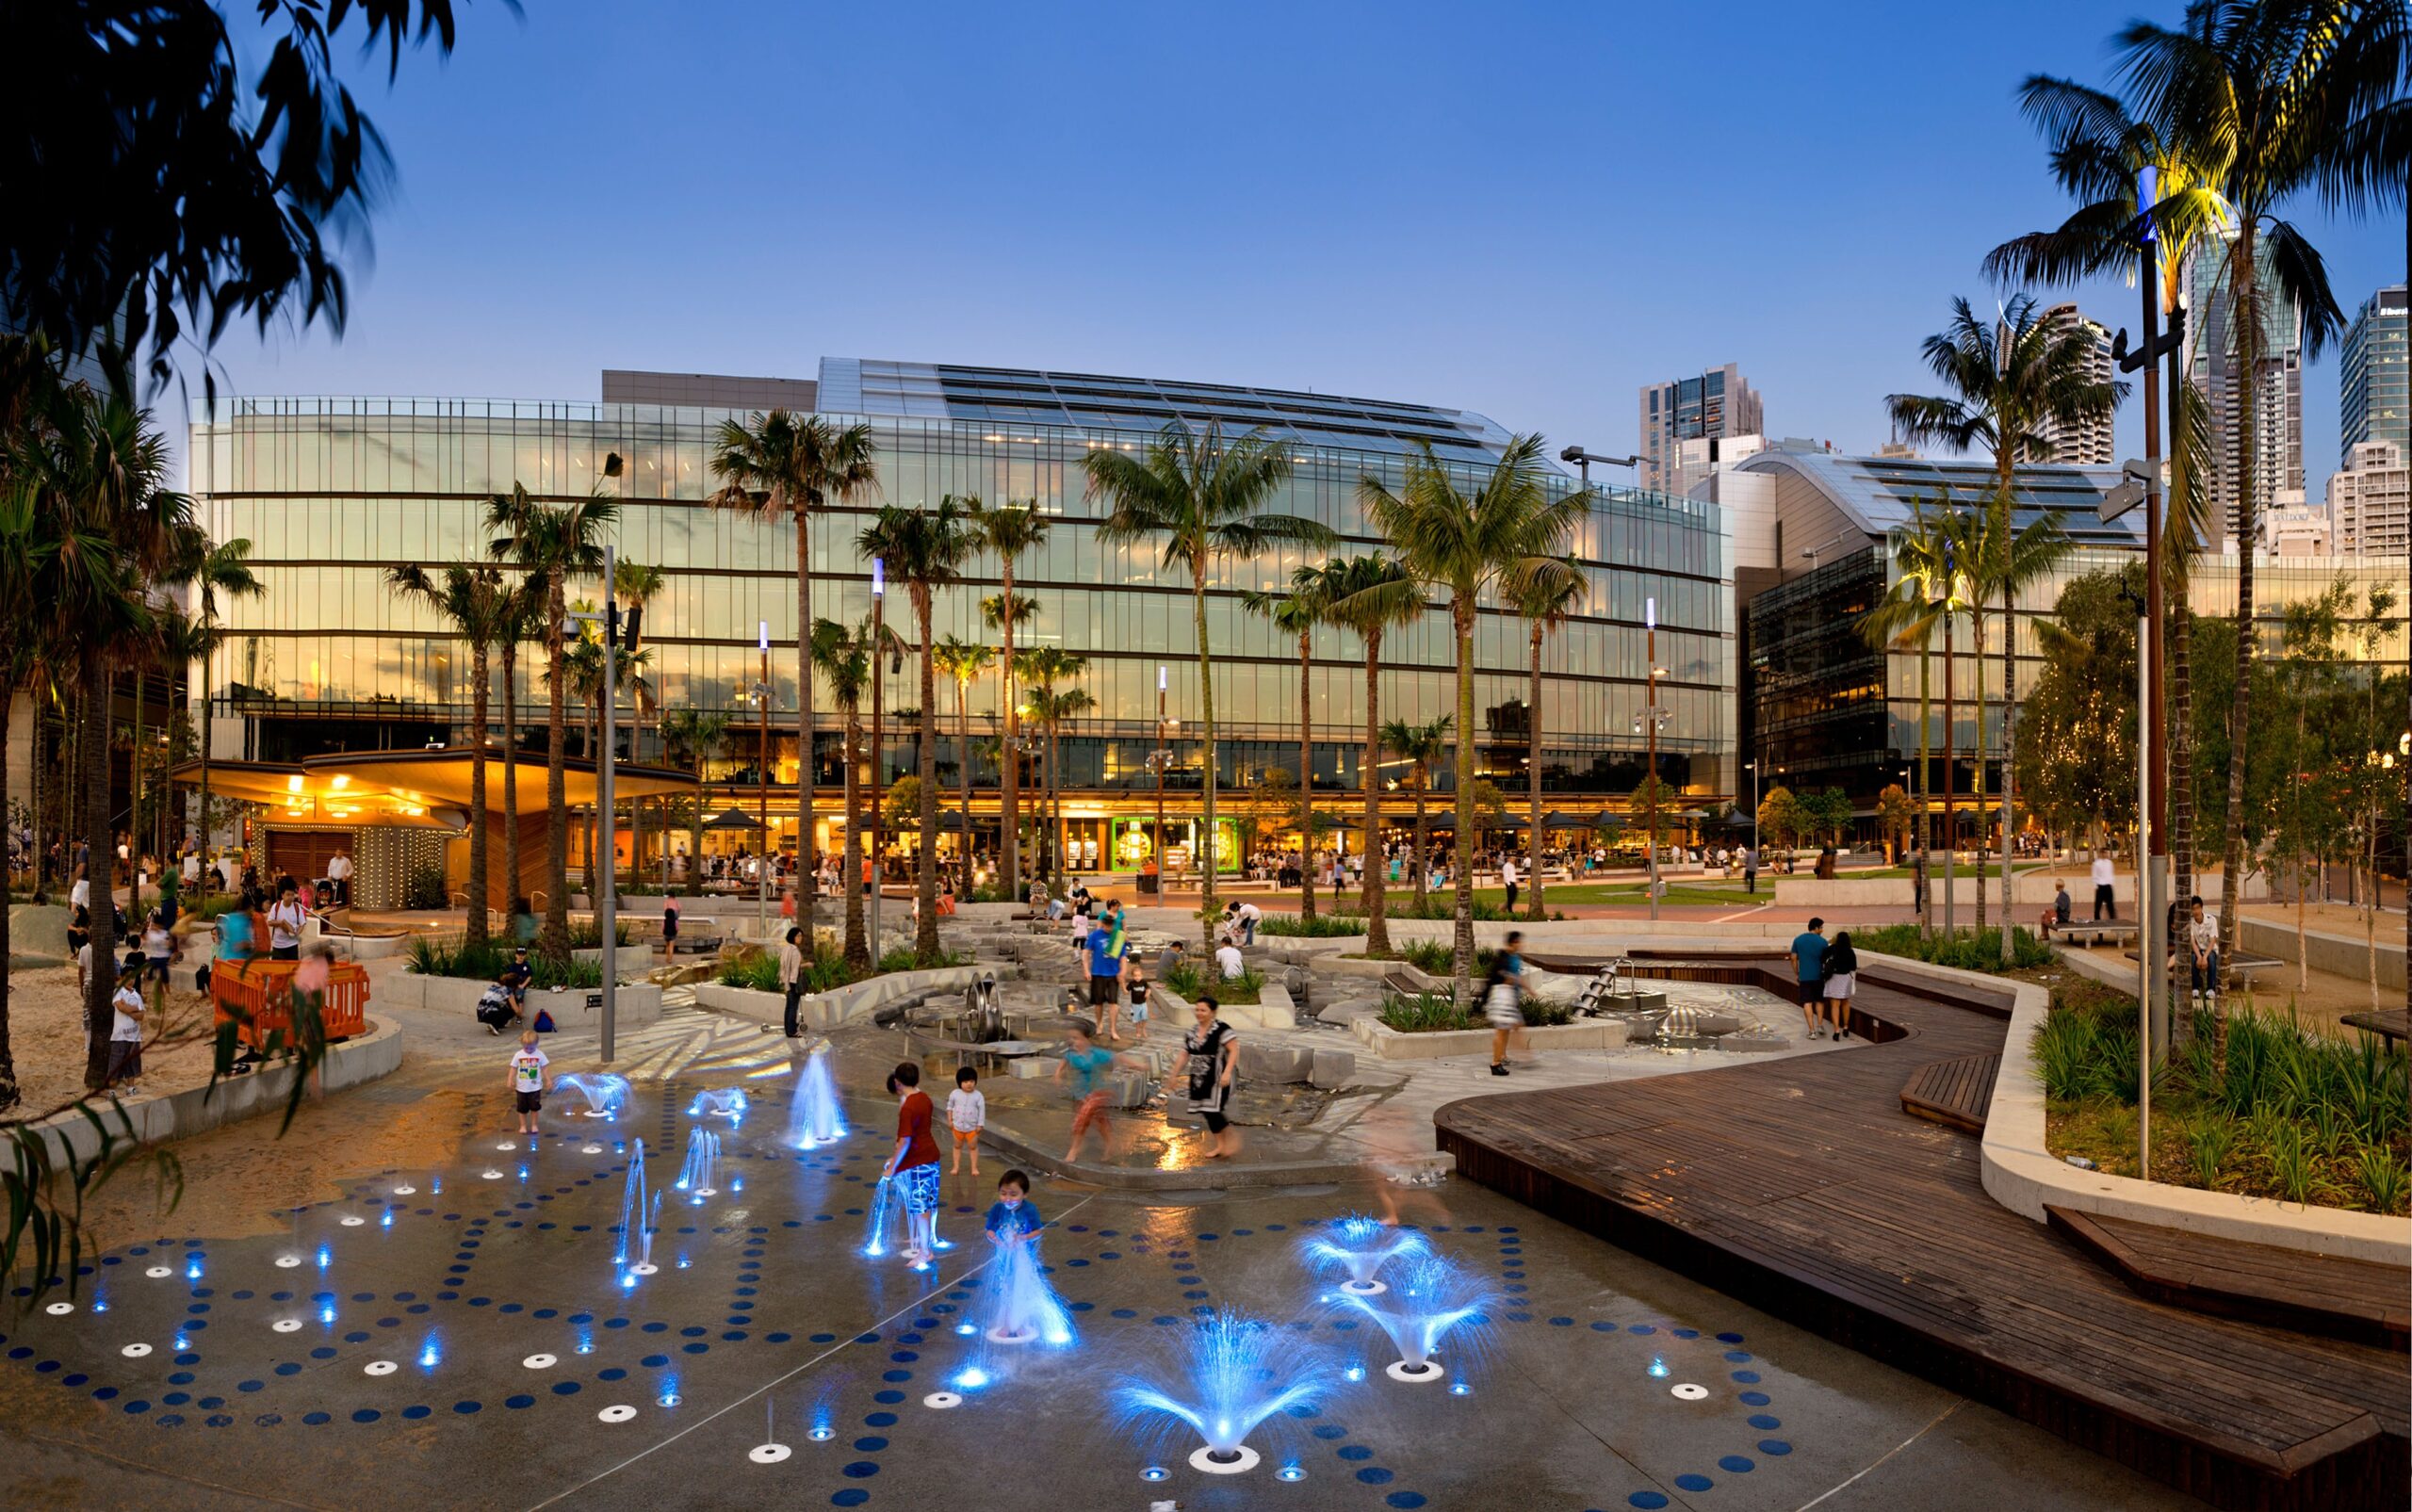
1956, 1092
2358, 1300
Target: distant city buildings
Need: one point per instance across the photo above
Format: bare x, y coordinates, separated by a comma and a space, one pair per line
2369, 499
2373, 403
2277, 404
1716, 405
2088, 443
2290, 527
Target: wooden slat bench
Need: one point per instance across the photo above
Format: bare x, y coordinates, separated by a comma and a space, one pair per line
2365, 1302
1957, 1093
2097, 932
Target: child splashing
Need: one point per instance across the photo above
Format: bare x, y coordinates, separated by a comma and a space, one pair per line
914, 1167
1026, 1308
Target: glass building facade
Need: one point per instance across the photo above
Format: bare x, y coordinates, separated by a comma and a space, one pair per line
333, 492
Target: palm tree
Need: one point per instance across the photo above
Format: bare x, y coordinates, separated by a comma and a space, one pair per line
87, 487
1908, 616
1043, 667
1545, 604
694, 733
2011, 383
1296, 612
1206, 498
784, 466
519, 609
1371, 595
966, 663
843, 657
1508, 537
223, 569
1419, 746
466, 598
924, 548
553, 544
1011, 530
2099, 155
2260, 95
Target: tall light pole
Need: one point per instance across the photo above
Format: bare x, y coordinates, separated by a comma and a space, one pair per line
1653, 717
1160, 758
605, 890
1752, 768
762, 786
878, 756
1950, 839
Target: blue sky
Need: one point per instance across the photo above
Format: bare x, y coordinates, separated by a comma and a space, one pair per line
1523, 209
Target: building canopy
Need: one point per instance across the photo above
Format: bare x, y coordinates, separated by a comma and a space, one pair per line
409, 789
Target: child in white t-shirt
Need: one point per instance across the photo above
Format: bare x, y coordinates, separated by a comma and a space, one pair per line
125, 1031
527, 1080
966, 1112
159, 946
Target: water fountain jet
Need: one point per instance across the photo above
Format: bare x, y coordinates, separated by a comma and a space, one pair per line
1239, 1372
638, 1211
703, 1162
1432, 1299
607, 1095
1362, 1246
814, 1115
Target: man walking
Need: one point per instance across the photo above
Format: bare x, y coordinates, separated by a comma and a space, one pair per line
1750, 869
1808, 957
1507, 880
2105, 905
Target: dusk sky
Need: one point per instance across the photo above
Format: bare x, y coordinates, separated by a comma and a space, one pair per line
1522, 209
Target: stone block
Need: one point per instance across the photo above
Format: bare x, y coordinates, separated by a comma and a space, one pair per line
1030, 1067
1296, 982
1128, 1091
1332, 1068
1274, 1062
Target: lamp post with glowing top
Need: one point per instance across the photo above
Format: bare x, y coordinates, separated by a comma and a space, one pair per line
1650, 719
878, 755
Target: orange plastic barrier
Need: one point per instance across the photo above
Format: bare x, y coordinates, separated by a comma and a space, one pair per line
259, 995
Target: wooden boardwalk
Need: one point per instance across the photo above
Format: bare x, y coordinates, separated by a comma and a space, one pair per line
1801, 1187
1957, 1093
2310, 1294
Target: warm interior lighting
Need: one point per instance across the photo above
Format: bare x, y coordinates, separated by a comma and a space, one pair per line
293, 784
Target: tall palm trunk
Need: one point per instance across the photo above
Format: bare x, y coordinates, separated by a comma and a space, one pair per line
1977, 785
204, 723
804, 763
963, 757
1462, 617
552, 943
1533, 771
851, 883
2010, 760
2244, 302
480, 883
511, 768
134, 846
1375, 898
1206, 875
1307, 780
1423, 838
925, 931
8, 1094
1926, 782
1008, 759
100, 853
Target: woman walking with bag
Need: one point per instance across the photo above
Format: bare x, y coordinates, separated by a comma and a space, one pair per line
1503, 1001
1209, 1052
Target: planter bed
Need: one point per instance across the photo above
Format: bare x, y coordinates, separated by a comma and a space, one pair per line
639, 1002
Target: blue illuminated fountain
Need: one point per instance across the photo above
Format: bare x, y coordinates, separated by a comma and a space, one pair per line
1238, 1373
702, 1169
814, 1117
720, 1103
1429, 1298
1026, 1307
1360, 1245
638, 1211
607, 1095
875, 1232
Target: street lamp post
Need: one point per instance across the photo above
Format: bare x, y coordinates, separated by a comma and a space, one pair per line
601, 879
1160, 758
762, 787
1653, 717
878, 756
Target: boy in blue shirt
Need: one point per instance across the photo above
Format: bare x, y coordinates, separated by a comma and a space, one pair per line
1105, 949
1808, 956
1013, 1217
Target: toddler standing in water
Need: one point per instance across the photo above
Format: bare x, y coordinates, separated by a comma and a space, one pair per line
1013, 1217
528, 1082
966, 1113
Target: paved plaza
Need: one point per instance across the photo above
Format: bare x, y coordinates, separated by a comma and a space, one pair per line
464, 1332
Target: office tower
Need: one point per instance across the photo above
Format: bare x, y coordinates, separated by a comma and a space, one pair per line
2370, 502
1717, 404
2087, 443
2277, 417
2373, 401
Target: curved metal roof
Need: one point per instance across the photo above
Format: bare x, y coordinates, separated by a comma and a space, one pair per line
1876, 493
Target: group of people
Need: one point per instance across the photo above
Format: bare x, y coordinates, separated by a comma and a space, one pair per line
1828, 972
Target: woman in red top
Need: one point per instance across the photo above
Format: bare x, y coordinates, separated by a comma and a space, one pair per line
915, 1164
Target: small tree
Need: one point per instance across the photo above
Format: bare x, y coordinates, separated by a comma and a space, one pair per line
1826, 814
1780, 817
1895, 816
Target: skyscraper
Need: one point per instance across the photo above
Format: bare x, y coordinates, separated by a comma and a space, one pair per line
2374, 404
1717, 404
2370, 500
2088, 441
2277, 399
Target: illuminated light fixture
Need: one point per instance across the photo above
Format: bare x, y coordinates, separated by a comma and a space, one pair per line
293, 783
340, 782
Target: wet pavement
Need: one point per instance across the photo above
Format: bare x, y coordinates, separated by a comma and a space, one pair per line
464, 1332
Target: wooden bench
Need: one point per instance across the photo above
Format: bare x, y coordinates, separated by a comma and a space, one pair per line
1957, 1093
2240, 967
2099, 931
2358, 1300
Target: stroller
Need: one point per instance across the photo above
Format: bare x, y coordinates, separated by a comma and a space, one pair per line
495, 1009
